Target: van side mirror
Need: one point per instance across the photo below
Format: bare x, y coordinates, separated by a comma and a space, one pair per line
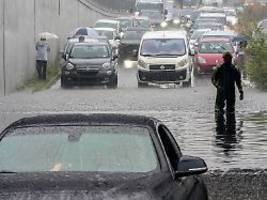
189, 165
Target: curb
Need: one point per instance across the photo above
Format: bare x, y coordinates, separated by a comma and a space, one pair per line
48, 85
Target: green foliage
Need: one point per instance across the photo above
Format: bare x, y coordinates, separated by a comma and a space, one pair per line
256, 62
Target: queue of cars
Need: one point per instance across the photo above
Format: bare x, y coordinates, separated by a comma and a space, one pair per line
163, 56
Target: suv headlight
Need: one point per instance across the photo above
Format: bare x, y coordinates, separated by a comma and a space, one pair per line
106, 66
201, 60
182, 63
142, 64
69, 66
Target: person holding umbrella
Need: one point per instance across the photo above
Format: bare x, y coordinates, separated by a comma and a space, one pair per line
42, 50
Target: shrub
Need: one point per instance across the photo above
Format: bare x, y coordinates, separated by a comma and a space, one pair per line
256, 62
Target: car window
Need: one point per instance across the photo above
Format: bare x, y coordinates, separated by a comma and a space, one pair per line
170, 146
89, 52
215, 47
164, 47
78, 148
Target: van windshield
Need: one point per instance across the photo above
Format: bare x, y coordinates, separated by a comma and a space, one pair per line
163, 47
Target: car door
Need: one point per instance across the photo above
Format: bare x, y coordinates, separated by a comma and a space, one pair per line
182, 188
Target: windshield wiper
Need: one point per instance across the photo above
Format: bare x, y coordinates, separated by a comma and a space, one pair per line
149, 55
7, 172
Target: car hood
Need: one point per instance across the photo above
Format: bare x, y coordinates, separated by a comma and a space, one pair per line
99, 61
212, 59
79, 186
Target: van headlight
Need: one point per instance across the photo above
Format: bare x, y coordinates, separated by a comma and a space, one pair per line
182, 62
69, 66
142, 64
176, 21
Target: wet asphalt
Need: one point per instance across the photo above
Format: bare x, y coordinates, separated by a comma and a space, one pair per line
188, 112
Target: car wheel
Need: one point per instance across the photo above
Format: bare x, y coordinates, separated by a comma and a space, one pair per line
142, 85
187, 83
64, 83
113, 82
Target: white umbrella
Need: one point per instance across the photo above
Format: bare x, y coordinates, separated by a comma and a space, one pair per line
47, 35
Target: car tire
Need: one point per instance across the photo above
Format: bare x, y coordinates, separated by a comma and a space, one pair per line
142, 85
64, 83
187, 83
113, 84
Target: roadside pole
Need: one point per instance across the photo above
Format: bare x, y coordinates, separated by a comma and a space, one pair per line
4, 46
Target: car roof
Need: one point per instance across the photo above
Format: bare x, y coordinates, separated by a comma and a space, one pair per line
220, 33
215, 39
212, 15
105, 29
107, 21
85, 119
165, 35
90, 43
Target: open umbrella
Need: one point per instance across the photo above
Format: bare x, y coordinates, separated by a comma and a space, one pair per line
47, 35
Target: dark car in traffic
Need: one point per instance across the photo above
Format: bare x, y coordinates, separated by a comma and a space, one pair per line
90, 63
96, 156
130, 42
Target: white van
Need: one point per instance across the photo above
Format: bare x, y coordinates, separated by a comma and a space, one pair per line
164, 57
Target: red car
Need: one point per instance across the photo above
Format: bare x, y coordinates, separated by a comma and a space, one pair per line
209, 54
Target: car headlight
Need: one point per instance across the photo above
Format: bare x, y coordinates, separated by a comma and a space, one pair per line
201, 60
106, 66
182, 62
176, 21
69, 66
142, 64
164, 24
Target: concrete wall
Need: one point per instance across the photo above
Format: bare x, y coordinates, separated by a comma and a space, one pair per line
23, 20
1, 49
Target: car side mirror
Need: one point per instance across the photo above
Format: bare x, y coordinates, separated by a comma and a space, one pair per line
134, 53
189, 165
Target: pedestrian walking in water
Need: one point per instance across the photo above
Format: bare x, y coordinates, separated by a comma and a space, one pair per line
224, 79
42, 50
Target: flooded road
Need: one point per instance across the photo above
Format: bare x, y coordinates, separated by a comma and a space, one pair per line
188, 112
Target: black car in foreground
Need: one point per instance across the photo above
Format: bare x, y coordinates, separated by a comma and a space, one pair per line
90, 63
97, 156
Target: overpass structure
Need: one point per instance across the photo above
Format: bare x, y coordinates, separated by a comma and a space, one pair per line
20, 23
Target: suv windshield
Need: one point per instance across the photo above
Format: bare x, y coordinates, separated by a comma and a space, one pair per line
78, 148
163, 47
215, 47
89, 52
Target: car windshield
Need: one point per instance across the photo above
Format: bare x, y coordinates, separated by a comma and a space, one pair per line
105, 25
78, 148
141, 23
89, 52
125, 23
163, 47
107, 34
133, 35
215, 47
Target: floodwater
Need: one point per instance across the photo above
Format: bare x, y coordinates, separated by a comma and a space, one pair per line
243, 148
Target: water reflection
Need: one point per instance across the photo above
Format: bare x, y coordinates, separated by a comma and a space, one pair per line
228, 135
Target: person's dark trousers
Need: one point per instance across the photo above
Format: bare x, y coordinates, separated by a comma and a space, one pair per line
44, 70
221, 99
41, 66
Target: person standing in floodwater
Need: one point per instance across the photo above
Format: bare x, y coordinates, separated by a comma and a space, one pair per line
42, 50
224, 79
